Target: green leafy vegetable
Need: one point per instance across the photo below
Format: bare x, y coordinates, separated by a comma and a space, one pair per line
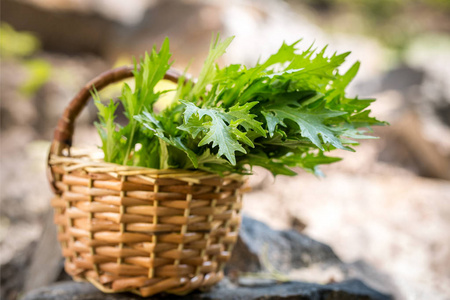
282, 113
107, 128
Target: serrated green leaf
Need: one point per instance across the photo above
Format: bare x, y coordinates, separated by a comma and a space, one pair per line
216, 50
259, 158
240, 136
149, 121
282, 113
310, 123
309, 161
247, 120
107, 128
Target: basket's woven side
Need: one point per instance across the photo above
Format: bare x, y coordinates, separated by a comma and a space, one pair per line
143, 231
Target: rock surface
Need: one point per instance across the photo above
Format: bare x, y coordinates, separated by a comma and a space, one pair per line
285, 250
353, 289
263, 254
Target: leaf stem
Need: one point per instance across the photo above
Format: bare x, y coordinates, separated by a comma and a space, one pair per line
130, 141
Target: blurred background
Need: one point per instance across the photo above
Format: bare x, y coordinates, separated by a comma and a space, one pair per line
387, 205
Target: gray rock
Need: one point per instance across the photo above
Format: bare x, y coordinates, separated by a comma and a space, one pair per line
12, 274
263, 256
353, 289
259, 247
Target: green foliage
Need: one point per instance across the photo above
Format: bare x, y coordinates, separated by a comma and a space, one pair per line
39, 72
107, 128
16, 44
19, 46
285, 112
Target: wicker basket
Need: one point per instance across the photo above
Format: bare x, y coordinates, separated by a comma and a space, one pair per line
137, 229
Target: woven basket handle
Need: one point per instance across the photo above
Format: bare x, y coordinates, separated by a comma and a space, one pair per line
64, 131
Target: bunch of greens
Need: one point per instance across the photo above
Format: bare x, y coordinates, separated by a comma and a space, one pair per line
282, 113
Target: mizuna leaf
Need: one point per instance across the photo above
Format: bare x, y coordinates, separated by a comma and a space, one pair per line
217, 131
216, 50
283, 112
310, 123
310, 161
261, 159
107, 128
150, 122
247, 120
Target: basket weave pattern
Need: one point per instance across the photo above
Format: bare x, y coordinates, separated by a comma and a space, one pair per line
137, 229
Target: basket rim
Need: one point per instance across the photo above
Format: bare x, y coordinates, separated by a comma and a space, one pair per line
90, 164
